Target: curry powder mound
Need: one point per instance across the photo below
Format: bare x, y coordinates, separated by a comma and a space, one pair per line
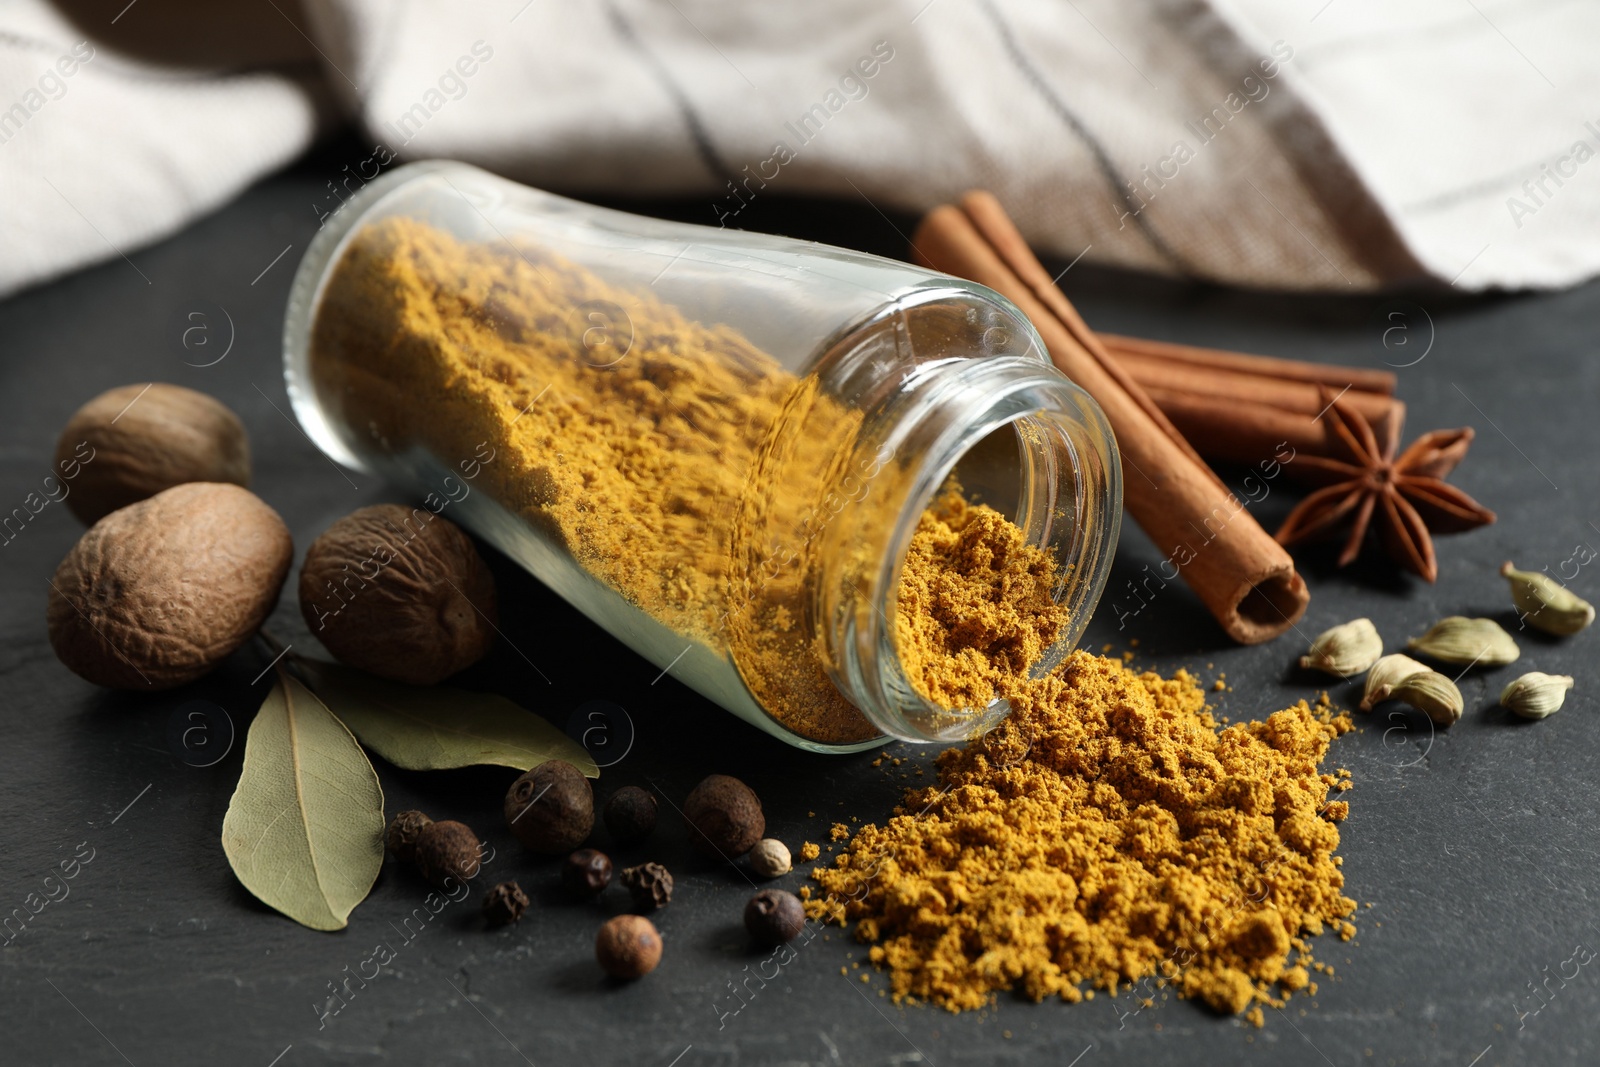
975, 605
1106, 833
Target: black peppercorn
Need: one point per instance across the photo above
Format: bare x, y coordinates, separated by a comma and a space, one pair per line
631, 814
774, 917
628, 946
448, 850
587, 872
551, 808
650, 885
724, 817
504, 904
401, 836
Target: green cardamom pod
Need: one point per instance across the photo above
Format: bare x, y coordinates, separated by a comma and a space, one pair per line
1345, 650
1385, 674
1535, 695
1546, 604
1467, 642
1432, 694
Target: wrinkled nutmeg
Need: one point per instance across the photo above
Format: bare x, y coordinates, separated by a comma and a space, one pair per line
724, 817
158, 593
773, 917
401, 836
399, 592
132, 442
586, 873
628, 946
448, 850
650, 885
630, 814
504, 904
770, 858
551, 808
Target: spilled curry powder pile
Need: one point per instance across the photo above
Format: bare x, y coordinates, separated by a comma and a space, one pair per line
1106, 832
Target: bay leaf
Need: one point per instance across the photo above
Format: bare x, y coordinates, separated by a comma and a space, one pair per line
437, 727
304, 830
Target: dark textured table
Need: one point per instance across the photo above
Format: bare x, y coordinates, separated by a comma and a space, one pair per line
1475, 847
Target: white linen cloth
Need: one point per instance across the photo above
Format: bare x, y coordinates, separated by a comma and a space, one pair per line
1302, 144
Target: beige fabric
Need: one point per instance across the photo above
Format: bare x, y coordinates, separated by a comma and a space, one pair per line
1243, 141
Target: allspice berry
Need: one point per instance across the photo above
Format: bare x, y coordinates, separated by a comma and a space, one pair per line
551, 808
586, 873
628, 946
132, 442
774, 917
401, 836
770, 858
158, 593
448, 850
650, 885
399, 592
630, 814
724, 817
504, 904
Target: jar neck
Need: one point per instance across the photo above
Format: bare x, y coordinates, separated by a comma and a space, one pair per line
1018, 436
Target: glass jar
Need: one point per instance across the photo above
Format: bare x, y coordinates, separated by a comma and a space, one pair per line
715, 444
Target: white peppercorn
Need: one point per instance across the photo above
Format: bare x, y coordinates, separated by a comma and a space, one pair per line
770, 858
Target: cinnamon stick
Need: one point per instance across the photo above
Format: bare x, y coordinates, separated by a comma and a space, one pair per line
1240, 573
1232, 430
1239, 416
1336, 377
1285, 393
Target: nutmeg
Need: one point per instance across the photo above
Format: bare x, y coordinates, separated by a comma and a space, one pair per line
132, 442
157, 593
399, 592
724, 817
551, 808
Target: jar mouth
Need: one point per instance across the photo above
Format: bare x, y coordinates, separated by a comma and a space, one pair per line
1033, 446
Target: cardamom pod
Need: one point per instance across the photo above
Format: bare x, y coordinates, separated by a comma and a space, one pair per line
1535, 695
1345, 650
1433, 694
1385, 674
1468, 642
1546, 604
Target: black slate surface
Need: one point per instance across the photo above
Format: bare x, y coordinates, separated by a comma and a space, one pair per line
1475, 847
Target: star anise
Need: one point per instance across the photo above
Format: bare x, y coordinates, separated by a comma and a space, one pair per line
1408, 494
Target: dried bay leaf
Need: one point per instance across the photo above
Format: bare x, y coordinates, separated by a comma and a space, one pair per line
304, 830
432, 728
